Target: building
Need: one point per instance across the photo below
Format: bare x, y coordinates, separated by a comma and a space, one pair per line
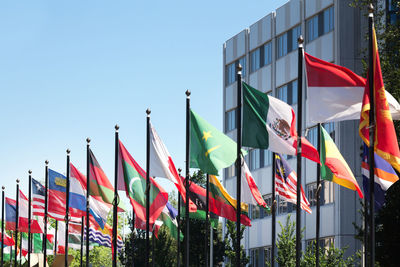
267, 50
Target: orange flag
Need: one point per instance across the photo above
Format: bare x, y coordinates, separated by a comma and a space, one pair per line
386, 144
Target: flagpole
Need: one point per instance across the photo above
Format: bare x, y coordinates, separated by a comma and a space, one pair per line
187, 176
238, 160
211, 247
318, 219
207, 220
2, 225
116, 201
16, 224
29, 216
67, 212
148, 111
87, 198
82, 228
371, 136
179, 225
20, 249
299, 133
46, 182
273, 210
55, 239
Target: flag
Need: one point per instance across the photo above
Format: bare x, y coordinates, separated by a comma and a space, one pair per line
385, 177
8, 240
161, 165
286, 184
333, 166
102, 237
334, 93
100, 187
37, 243
38, 193
74, 236
135, 186
210, 149
198, 195
250, 193
22, 215
386, 145
98, 209
222, 204
269, 123
168, 218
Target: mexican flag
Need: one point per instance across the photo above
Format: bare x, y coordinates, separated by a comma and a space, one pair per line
134, 178
333, 166
269, 123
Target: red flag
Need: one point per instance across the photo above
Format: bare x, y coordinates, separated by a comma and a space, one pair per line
386, 144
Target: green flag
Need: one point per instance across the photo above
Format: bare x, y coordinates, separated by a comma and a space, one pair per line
210, 150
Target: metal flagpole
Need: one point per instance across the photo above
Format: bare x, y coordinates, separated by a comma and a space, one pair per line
2, 225
16, 224
238, 160
211, 246
299, 133
207, 220
318, 215
116, 201
371, 137
67, 212
87, 198
148, 111
82, 235
20, 249
55, 239
29, 217
46, 182
187, 176
273, 210
179, 225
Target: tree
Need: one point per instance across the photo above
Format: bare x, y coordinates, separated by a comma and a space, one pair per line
230, 241
286, 245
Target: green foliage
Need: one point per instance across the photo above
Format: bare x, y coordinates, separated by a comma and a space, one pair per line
230, 240
286, 245
165, 248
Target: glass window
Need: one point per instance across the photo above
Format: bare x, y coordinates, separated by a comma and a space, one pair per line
268, 199
230, 171
288, 93
312, 136
267, 158
294, 92
267, 53
282, 45
255, 60
295, 33
327, 193
282, 205
242, 62
254, 159
312, 28
312, 194
230, 73
267, 256
328, 20
282, 93
230, 120
255, 212
330, 128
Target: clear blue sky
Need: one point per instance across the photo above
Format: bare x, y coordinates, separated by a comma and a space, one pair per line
73, 69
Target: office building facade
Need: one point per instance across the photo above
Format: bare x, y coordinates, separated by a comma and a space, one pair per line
267, 51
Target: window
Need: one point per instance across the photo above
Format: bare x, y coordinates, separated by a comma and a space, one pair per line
330, 128
255, 212
267, 256
287, 42
260, 57
230, 171
312, 194
282, 205
230, 120
312, 136
254, 159
324, 242
260, 257
288, 93
230, 71
267, 158
268, 199
392, 10
320, 24
326, 194
267, 53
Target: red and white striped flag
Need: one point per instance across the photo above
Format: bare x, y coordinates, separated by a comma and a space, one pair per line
286, 184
